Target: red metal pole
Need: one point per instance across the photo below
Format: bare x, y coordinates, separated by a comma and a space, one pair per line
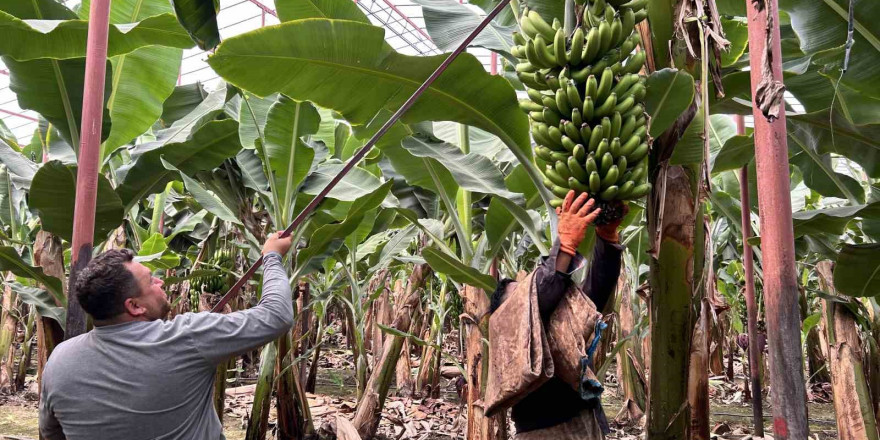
493, 58
777, 235
754, 351
88, 160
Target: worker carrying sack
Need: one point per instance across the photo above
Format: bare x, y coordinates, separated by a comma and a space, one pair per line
523, 355
519, 355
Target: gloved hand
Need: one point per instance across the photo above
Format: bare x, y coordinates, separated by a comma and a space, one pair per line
608, 231
574, 218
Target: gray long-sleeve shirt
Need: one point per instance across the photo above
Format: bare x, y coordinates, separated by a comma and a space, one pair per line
154, 380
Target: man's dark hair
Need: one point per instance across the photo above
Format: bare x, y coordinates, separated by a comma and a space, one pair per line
105, 283
498, 295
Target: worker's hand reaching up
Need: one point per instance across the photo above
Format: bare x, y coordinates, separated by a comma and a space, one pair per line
608, 231
277, 244
575, 215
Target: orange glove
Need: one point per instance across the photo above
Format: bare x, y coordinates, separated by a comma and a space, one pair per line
608, 231
574, 218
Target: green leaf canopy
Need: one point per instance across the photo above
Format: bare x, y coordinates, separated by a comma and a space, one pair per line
857, 271
199, 18
670, 92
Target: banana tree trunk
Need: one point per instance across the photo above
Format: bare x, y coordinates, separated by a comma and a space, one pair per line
303, 339
8, 323
88, 157
220, 389
672, 225
852, 397
698, 388
369, 407
874, 357
292, 406
476, 321
27, 349
258, 422
632, 385
49, 255
404, 376
777, 236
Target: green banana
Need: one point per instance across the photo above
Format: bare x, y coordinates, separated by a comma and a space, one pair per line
606, 128
556, 24
603, 148
640, 132
575, 55
630, 145
579, 153
635, 4
528, 106
554, 134
574, 97
586, 133
562, 103
641, 15
519, 39
560, 155
622, 163
616, 122
543, 28
577, 185
525, 67
550, 172
616, 31
576, 118
556, 202
635, 63
589, 111
625, 190
590, 165
606, 108
537, 116
559, 48
625, 83
637, 111
638, 173
628, 22
543, 153
560, 191
604, 88
577, 171
551, 117
591, 48
532, 54
543, 52
607, 162
596, 138
562, 169
572, 132
615, 147
568, 143
595, 182
609, 193
625, 105
535, 96
604, 36
610, 177
640, 191
628, 126
640, 152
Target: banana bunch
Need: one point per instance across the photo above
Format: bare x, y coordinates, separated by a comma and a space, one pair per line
586, 100
216, 283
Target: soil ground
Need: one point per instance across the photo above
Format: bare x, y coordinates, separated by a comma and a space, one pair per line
420, 419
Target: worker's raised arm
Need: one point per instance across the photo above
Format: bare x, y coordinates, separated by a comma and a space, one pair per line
218, 337
553, 277
601, 280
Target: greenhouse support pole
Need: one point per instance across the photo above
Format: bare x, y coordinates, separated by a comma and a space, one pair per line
88, 159
754, 352
777, 236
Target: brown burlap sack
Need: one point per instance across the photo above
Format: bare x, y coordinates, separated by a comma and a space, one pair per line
571, 331
519, 355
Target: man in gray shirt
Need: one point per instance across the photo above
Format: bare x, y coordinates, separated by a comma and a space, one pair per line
140, 376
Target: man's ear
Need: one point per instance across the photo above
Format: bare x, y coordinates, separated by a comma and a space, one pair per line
133, 307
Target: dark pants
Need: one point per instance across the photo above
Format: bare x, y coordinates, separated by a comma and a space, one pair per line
584, 426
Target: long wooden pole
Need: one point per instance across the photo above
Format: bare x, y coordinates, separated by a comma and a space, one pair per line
777, 235
88, 159
754, 351
366, 148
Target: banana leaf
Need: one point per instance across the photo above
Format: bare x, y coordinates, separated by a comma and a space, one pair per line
290, 159
289, 10
11, 261
449, 22
199, 18
857, 270
445, 263
52, 196
670, 92
42, 300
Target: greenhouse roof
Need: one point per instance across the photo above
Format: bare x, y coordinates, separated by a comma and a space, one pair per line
402, 19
